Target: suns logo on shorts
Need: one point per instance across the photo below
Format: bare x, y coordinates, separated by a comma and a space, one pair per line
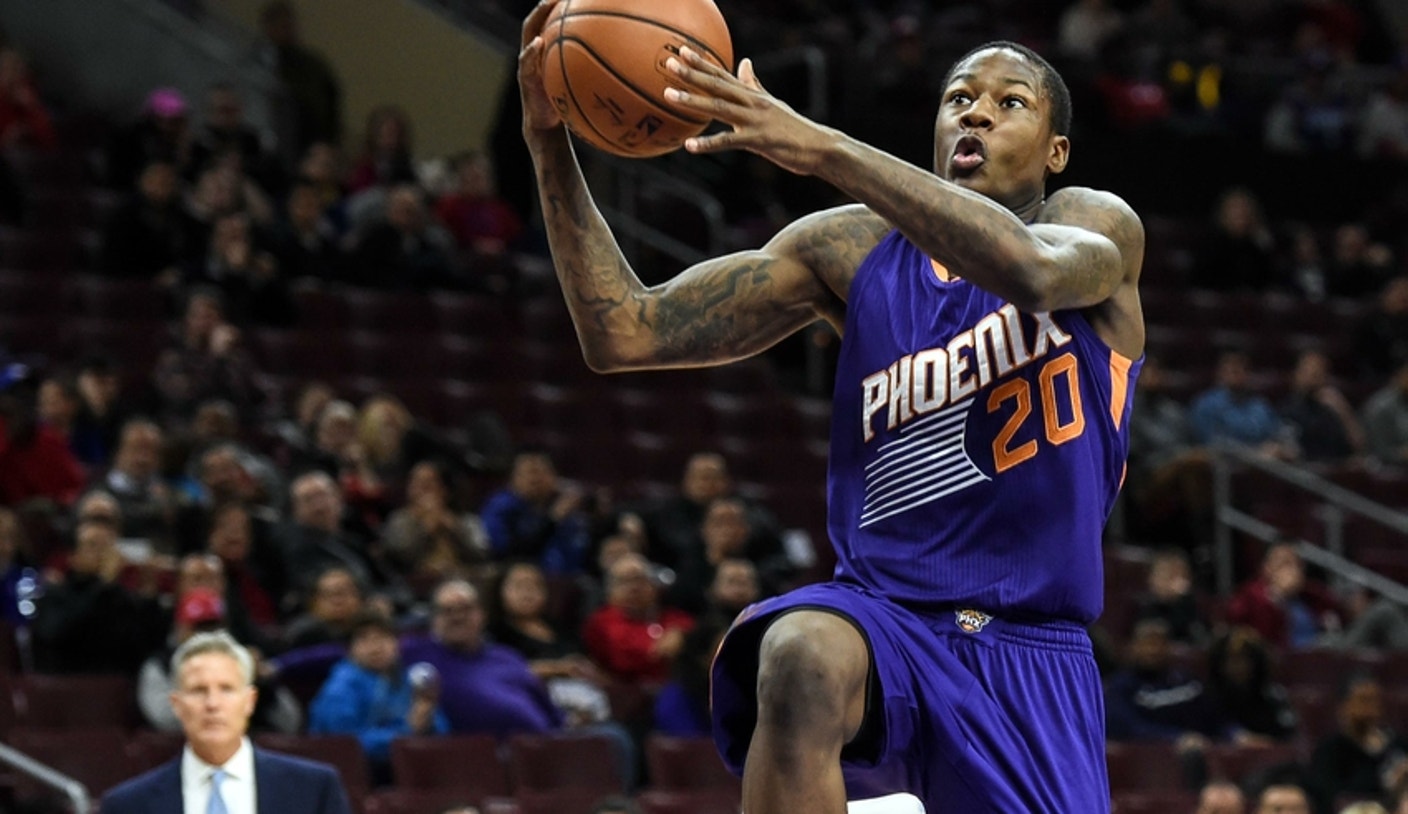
971, 621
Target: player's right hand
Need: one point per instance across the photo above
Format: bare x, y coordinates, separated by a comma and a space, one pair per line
539, 114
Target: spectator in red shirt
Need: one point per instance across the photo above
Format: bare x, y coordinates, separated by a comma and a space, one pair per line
1281, 604
632, 636
23, 117
480, 220
35, 461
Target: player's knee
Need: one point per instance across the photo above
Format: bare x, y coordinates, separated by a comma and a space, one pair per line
811, 675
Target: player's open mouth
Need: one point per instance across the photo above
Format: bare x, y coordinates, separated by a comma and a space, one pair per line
969, 154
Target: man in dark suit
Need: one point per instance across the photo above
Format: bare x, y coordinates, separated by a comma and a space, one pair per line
219, 771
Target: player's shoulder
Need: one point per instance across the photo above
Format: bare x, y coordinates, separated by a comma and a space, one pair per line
1078, 201
1095, 209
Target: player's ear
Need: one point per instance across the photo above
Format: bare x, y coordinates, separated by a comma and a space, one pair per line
1059, 152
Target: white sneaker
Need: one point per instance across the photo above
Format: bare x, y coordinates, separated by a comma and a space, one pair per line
901, 803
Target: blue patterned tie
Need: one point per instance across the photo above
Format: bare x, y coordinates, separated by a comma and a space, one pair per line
217, 803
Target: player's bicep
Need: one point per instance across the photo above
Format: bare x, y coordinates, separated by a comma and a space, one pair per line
738, 305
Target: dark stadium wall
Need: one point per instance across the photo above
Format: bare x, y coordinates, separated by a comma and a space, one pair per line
399, 51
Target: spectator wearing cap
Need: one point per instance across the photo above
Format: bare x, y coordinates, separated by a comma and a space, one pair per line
203, 610
160, 133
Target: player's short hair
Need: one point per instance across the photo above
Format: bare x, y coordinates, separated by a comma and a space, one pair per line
213, 642
1052, 83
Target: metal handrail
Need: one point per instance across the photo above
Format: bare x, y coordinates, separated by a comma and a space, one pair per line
1336, 501
70, 788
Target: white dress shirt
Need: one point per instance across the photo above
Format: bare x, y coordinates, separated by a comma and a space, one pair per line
237, 789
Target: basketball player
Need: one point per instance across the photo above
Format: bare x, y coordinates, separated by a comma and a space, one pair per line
991, 338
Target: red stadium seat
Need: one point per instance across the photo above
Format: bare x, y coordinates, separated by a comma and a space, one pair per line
149, 748
559, 762
468, 765
1324, 668
75, 701
137, 301
389, 313
1144, 766
689, 801
471, 316
416, 801
1241, 763
560, 801
1154, 802
687, 763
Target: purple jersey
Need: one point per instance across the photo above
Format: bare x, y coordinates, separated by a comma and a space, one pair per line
976, 451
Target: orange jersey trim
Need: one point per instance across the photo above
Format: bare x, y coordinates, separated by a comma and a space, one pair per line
1119, 386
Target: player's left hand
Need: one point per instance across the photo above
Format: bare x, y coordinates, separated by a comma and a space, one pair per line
761, 122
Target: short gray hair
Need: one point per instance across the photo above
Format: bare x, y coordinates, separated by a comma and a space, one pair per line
214, 642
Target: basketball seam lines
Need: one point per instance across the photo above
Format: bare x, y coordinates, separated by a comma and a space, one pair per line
659, 106
703, 46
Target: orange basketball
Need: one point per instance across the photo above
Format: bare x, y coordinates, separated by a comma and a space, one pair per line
604, 68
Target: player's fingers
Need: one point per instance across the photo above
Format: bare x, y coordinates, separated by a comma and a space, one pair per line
748, 76
712, 143
533, 23
530, 60
709, 106
694, 70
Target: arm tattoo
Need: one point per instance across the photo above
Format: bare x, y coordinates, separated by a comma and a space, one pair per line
717, 311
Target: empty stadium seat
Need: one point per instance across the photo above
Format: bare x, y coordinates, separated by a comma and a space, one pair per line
1154, 802
149, 748
559, 801
468, 765
416, 801
1242, 763
689, 801
559, 762
390, 313
320, 308
75, 701
132, 301
1144, 766
1323, 668
687, 763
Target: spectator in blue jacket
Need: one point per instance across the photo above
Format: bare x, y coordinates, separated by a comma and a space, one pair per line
373, 695
1230, 413
536, 518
